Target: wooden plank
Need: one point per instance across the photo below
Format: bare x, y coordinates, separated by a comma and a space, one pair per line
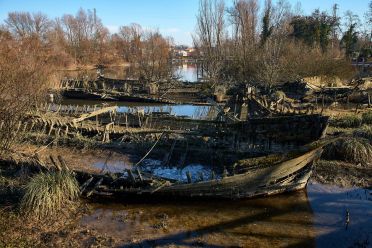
94, 113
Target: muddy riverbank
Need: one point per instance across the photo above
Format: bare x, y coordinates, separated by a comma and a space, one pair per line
342, 174
312, 218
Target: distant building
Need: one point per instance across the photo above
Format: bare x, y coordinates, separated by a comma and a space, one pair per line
184, 51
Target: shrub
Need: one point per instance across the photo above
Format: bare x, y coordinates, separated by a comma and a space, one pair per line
364, 132
24, 76
349, 149
349, 121
367, 117
47, 193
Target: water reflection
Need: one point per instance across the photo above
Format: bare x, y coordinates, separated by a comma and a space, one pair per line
187, 72
189, 110
299, 219
193, 111
184, 72
330, 205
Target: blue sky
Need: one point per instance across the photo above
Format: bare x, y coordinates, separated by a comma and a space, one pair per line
172, 17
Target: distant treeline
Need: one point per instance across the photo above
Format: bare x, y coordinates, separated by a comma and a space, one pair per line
82, 39
277, 42
241, 42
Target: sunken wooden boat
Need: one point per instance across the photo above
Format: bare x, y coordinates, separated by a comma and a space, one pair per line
263, 176
103, 95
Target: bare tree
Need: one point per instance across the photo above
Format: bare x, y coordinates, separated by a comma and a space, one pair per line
210, 37
24, 24
154, 63
244, 21
23, 81
85, 35
270, 62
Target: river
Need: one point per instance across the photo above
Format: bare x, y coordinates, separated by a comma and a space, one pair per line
184, 72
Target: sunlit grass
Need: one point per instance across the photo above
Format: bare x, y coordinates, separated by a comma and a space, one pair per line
364, 132
348, 121
350, 149
367, 117
48, 193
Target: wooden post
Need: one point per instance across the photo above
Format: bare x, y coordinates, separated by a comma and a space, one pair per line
32, 125
188, 175
58, 168
62, 162
76, 109
369, 100
139, 174
224, 173
59, 108
58, 131
335, 98
213, 175
66, 131
356, 109
235, 104
85, 185
51, 128
139, 120
19, 126
201, 176
131, 176
44, 128
24, 127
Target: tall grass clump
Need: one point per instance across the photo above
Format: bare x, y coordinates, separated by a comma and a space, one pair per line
367, 118
349, 149
364, 132
348, 121
47, 193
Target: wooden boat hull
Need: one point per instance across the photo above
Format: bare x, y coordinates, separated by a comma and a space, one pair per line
283, 177
261, 180
86, 95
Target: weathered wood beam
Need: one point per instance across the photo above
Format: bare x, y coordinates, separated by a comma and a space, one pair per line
94, 113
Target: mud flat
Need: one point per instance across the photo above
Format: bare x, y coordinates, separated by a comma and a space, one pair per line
342, 174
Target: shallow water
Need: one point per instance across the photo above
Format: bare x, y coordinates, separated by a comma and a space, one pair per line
156, 168
185, 72
311, 218
189, 110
